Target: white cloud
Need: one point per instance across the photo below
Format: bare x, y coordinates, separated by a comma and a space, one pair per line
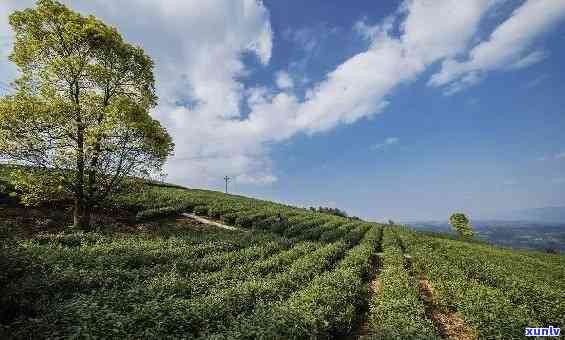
311, 38
306, 46
387, 142
358, 87
530, 59
508, 47
7, 70
469, 79
259, 179
284, 81
355, 89
370, 32
427, 38
536, 81
197, 47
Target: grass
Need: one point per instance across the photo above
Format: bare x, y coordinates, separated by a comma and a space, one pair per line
306, 275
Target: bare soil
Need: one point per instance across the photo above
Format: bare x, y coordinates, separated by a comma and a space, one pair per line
211, 222
24, 222
449, 323
362, 331
374, 288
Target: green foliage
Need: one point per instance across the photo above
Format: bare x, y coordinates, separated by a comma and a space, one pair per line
498, 291
37, 185
201, 210
331, 211
182, 283
460, 223
172, 284
396, 311
325, 307
295, 273
156, 201
160, 212
81, 108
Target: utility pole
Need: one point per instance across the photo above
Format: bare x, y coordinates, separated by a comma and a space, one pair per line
227, 179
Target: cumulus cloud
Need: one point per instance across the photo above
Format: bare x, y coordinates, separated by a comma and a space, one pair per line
508, 47
197, 46
358, 87
309, 39
213, 143
284, 81
372, 32
387, 142
530, 59
256, 179
466, 81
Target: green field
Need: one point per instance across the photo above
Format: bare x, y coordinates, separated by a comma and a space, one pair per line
305, 275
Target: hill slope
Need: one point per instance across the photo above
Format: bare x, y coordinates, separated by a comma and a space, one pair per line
297, 274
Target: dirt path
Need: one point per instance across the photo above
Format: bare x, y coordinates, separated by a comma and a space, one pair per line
450, 324
214, 223
374, 288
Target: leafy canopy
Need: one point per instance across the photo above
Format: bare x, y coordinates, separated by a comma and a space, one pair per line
80, 108
460, 222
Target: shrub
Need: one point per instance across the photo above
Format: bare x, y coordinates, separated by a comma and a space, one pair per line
155, 213
201, 210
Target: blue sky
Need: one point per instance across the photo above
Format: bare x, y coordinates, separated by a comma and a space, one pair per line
387, 109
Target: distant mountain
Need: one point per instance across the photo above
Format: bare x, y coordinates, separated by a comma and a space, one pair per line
546, 214
516, 234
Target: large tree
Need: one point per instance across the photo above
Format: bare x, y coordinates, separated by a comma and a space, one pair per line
79, 115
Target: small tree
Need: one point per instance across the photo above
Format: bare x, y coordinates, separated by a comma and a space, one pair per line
80, 112
331, 211
460, 222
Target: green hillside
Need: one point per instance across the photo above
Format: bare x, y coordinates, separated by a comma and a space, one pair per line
286, 273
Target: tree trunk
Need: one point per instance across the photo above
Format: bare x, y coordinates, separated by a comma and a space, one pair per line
79, 176
82, 214
80, 205
86, 214
78, 212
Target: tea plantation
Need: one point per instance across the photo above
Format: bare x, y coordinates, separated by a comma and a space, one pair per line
286, 272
